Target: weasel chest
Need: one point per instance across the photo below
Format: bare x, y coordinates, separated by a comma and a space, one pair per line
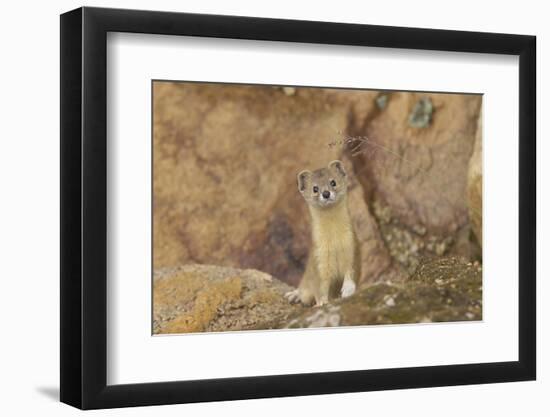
335, 251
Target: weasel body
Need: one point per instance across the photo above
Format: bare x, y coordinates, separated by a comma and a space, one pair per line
334, 263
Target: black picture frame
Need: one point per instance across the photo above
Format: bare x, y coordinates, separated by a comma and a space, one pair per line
84, 207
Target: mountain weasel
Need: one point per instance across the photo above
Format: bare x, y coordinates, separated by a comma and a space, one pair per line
334, 263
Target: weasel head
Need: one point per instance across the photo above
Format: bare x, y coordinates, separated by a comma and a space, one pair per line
324, 187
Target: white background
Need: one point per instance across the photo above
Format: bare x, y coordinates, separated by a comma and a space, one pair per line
133, 60
29, 218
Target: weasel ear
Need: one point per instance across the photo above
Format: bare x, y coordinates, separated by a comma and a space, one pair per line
338, 166
303, 177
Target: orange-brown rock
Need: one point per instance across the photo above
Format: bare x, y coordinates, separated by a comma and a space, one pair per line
416, 166
226, 159
225, 165
201, 298
475, 186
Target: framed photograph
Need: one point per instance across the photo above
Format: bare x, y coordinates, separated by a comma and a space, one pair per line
258, 208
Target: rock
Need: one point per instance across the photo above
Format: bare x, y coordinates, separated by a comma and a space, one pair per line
475, 185
375, 257
225, 165
205, 298
390, 302
289, 91
201, 298
420, 175
226, 158
441, 290
421, 114
382, 101
323, 317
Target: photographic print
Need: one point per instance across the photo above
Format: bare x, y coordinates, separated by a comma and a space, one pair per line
289, 207
324, 184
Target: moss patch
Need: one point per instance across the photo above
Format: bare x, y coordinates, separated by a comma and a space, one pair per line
441, 290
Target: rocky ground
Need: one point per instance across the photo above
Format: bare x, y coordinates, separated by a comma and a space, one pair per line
441, 290
199, 298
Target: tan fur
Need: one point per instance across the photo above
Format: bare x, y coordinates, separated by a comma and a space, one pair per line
333, 266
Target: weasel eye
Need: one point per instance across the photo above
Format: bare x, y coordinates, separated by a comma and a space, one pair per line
315, 189
333, 183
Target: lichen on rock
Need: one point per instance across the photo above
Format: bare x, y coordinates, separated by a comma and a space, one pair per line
207, 298
421, 114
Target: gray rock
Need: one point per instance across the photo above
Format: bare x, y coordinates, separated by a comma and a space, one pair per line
421, 114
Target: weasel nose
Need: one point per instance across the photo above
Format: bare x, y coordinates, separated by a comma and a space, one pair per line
326, 195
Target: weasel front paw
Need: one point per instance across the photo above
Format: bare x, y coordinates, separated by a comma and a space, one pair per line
348, 288
321, 302
293, 296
